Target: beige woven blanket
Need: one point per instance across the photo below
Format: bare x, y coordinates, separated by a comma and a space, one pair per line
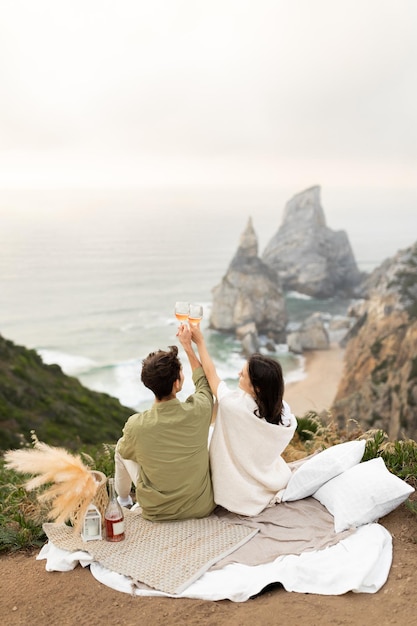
167, 556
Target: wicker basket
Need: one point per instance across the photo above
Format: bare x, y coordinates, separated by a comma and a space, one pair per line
101, 498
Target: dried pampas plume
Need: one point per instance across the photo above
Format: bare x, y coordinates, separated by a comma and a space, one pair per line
73, 488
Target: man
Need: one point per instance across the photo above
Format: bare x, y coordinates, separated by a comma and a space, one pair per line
164, 450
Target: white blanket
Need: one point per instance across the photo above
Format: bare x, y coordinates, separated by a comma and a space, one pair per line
359, 563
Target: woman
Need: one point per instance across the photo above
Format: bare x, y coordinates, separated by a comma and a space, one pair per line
253, 427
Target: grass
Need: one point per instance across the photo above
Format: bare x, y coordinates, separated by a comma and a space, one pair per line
21, 515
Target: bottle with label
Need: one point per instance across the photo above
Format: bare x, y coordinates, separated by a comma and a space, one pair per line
113, 517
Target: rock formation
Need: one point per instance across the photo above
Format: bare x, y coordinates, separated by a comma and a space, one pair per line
379, 385
308, 256
249, 292
311, 335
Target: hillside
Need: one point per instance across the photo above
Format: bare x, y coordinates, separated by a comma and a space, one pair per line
62, 412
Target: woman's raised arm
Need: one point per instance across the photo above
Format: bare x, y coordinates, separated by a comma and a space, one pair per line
206, 360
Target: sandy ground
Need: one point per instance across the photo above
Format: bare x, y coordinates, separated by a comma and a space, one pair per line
316, 392
31, 595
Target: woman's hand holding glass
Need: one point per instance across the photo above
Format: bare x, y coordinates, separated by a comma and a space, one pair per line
195, 314
196, 334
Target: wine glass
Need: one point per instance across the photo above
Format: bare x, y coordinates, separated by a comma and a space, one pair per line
182, 310
195, 314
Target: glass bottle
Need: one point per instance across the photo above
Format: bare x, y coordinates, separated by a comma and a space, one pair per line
113, 517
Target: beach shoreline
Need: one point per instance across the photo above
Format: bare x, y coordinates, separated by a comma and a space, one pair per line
318, 387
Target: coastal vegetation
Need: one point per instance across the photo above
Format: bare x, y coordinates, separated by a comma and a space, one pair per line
40, 397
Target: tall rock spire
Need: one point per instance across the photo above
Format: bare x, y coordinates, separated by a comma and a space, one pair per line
248, 245
249, 293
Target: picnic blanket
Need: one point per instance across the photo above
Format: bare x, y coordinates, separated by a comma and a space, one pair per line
168, 556
294, 544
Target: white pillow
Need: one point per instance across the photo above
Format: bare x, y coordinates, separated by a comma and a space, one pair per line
322, 467
362, 494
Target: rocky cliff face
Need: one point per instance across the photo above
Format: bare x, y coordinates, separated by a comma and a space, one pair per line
249, 292
308, 256
379, 385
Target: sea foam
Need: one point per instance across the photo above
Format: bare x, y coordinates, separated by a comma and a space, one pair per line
71, 364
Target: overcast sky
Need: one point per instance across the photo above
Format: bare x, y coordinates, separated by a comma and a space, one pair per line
233, 92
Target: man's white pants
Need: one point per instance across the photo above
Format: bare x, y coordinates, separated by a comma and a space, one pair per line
126, 472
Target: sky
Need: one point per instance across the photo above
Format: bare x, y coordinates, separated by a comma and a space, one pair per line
239, 93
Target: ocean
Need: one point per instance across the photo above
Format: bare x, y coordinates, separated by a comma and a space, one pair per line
90, 281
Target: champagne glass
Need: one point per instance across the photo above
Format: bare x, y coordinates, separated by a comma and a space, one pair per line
195, 314
182, 310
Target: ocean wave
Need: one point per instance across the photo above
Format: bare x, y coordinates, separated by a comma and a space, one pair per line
120, 380
296, 295
71, 364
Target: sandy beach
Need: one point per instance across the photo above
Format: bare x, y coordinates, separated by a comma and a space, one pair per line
317, 390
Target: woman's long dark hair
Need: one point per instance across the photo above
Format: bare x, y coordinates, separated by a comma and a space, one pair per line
268, 383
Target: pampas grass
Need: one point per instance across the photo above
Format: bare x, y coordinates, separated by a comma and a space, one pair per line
72, 486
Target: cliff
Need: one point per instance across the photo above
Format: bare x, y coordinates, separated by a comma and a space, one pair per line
35, 396
379, 385
249, 292
308, 256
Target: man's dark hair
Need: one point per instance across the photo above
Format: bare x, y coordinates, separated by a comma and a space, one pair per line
160, 370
